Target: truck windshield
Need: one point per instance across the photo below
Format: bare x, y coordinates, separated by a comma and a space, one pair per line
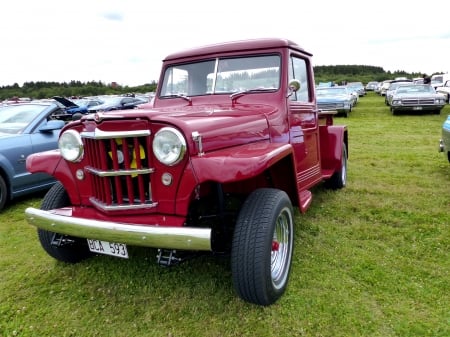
222, 76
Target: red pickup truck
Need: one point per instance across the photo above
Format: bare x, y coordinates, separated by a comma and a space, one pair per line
230, 146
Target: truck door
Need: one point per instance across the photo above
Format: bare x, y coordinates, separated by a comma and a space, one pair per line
303, 123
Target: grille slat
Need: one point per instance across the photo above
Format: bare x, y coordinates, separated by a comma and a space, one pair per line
118, 164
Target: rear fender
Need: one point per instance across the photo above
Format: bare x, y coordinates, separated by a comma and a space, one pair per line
332, 138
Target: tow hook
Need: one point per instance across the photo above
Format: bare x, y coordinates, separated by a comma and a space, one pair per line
172, 257
441, 146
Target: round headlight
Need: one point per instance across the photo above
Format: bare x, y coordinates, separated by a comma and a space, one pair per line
71, 146
169, 146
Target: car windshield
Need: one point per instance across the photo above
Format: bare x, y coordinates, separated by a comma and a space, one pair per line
224, 75
437, 79
417, 88
331, 91
14, 118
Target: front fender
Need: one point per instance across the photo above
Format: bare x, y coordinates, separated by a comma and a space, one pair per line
45, 161
238, 163
51, 162
5, 166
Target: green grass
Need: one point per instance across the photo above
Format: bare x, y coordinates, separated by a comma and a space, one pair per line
370, 260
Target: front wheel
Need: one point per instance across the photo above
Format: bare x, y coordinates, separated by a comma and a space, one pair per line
262, 246
3, 193
61, 247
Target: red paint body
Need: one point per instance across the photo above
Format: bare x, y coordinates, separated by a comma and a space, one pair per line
259, 139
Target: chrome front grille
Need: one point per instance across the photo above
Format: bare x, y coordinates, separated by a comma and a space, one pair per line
329, 106
119, 165
417, 101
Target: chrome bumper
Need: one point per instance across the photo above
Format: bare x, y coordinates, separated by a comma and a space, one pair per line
183, 238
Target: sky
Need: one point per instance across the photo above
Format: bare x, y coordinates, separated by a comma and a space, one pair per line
126, 41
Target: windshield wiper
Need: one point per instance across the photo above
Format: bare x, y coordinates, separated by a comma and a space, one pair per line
187, 98
238, 94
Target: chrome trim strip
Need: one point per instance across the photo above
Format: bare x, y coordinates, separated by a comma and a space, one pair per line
121, 207
100, 134
185, 238
118, 172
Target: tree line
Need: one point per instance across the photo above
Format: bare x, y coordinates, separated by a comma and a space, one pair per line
358, 73
41, 89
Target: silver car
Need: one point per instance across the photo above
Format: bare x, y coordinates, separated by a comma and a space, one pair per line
416, 98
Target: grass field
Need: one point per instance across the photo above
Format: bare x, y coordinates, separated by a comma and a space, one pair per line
370, 260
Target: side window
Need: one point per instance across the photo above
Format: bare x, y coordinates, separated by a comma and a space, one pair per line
298, 70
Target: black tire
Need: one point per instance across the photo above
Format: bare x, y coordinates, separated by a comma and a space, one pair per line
61, 247
3, 193
339, 178
262, 246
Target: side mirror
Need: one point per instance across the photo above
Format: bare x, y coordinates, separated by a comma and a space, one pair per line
52, 125
294, 86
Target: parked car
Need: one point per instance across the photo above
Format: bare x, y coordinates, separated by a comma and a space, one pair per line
438, 80
358, 86
75, 108
26, 128
381, 90
371, 86
77, 105
391, 89
416, 97
445, 90
117, 103
444, 143
337, 98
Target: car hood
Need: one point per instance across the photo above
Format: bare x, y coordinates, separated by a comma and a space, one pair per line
416, 94
7, 135
324, 99
70, 107
219, 126
64, 101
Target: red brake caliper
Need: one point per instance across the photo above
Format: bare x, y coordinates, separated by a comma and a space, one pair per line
275, 246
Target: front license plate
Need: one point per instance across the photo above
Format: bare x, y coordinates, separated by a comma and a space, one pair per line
108, 248
417, 108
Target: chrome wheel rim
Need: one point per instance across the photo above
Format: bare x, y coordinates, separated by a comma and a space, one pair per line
281, 248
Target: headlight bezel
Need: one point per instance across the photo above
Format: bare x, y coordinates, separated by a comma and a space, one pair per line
75, 151
165, 141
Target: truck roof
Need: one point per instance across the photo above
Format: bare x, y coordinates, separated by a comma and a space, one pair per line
233, 46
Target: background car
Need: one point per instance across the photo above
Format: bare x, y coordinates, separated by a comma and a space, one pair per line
391, 89
371, 86
25, 129
337, 98
117, 103
358, 86
77, 105
445, 90
416, 98
444, 143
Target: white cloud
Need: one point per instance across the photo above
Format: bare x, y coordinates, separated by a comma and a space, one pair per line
125, 41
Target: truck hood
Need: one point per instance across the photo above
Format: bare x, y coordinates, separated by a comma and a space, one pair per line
219, 126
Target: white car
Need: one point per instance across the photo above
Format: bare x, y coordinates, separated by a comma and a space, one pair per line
445, 90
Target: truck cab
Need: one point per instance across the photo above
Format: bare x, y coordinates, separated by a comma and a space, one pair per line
231, 145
